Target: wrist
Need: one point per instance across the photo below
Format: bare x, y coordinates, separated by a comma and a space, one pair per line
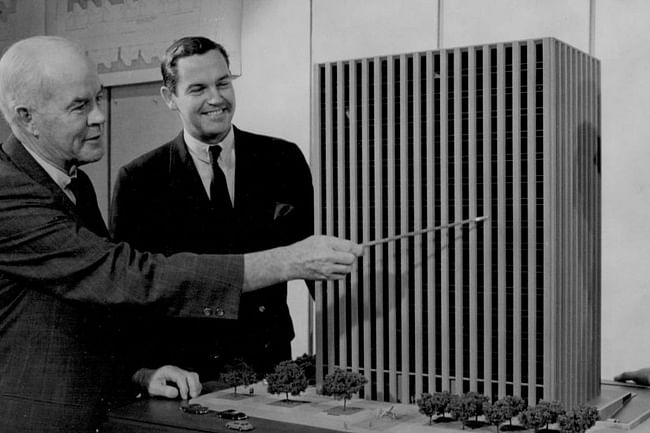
265, 268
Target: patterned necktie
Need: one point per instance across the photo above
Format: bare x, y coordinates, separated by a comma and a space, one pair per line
86, 204
219, 195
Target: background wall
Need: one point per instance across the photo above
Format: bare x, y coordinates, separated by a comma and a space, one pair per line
281, 39
273, 98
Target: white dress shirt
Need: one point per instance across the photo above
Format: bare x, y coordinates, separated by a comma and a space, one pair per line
60, 177
201, 157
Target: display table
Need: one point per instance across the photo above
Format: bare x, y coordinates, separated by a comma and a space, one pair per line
313, 413
154, 415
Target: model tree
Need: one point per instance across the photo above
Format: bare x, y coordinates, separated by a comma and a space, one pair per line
441, 402
308, 365
544, 414
532, 419
459, 409
342, 384
578, 420
238, 374
426, 406
495, 413
475, 403
466, 406
551, 410
288, 378
513, 405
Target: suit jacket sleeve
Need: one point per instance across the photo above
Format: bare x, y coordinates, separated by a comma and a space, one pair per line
41, 246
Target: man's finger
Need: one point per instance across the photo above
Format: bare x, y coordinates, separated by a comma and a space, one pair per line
194, 384
346, 246
181, 383
640, 377
168, 391
174, 375
621, 377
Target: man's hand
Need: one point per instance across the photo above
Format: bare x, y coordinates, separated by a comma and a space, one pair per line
168, 381
640, 377
321, 258
314, 258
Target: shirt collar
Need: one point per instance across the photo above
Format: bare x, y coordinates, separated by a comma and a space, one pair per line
60, 177
200, 149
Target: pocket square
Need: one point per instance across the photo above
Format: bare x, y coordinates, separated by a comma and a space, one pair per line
281, 210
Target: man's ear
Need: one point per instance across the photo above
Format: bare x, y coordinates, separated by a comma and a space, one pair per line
25, 119
169, 98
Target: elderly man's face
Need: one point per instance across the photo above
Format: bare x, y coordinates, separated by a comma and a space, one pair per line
70, 119
204, 98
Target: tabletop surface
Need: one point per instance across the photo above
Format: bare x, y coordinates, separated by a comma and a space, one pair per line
318, 414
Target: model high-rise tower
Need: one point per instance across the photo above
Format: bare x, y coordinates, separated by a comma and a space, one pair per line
506, 305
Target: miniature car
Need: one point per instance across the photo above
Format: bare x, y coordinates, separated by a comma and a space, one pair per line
232, 414
195, 409
240, 425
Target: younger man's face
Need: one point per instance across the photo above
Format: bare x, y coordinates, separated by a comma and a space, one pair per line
204, 97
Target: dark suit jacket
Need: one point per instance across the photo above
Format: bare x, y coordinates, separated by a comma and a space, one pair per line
58, 279
160, 204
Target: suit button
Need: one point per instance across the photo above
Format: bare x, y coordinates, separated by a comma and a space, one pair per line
262, 308
207, 311
219, 312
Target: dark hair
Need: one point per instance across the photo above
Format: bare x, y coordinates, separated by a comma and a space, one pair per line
185, 47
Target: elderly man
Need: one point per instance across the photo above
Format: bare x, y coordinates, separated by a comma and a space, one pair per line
59, 274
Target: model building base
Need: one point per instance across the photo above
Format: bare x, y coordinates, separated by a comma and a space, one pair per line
625, 408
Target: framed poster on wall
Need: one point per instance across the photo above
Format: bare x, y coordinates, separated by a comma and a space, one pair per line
128, 37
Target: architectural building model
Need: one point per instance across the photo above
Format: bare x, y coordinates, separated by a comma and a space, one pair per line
496, 147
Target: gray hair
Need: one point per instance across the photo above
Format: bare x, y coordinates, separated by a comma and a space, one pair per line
23, 71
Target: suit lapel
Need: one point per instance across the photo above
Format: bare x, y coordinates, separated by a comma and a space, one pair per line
24, 161
184, 177
254, 198
247, 171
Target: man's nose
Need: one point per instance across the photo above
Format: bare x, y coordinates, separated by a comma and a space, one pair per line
215, 95
96, 116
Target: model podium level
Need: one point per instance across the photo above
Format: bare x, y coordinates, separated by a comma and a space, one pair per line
504, 137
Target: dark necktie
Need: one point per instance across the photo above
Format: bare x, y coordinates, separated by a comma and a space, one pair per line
219, 195
86, 204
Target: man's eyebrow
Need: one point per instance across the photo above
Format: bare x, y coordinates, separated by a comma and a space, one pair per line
77, 101
83, 99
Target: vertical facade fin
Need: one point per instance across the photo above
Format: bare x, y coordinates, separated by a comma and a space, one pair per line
488, 261
501, 220
515, 223
445, 328
418, 265
472, 161
353, 174
366, 223
404, 244
341, 206
431, 256
531, 168
457, 231
379, 225
319, 182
